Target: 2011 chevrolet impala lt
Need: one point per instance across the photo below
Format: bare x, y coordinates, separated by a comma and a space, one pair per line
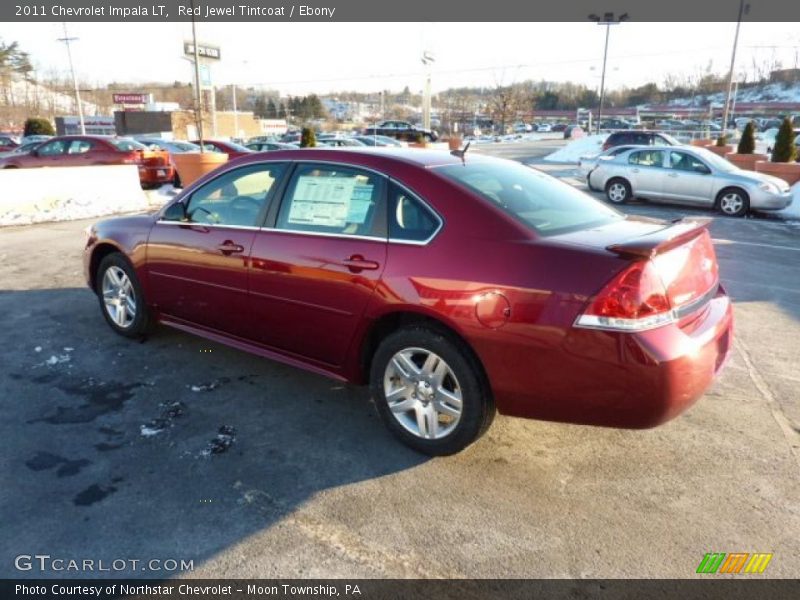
455, 285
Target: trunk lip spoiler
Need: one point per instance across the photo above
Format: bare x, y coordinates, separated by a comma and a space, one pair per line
657, 242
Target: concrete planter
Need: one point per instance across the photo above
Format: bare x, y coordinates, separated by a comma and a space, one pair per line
789, 172
417, 144
702, 143
720, 150
192, 166
746, 161
454, 143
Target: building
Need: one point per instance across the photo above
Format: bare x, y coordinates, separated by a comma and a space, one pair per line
180, 124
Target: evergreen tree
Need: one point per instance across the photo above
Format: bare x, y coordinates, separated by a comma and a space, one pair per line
747, 145
38, 126
308, 138
272, 111
785, 150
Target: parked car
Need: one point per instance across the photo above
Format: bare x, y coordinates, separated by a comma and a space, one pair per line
401, 130
35, 138
172, 147
379, 140
431, 277
342, 142
639, 138
544, 128
232, 149
21, 149
688, 175
559, 127
91, 150
8, 142
269, 146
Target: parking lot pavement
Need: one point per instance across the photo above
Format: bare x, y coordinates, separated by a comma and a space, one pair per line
114, 449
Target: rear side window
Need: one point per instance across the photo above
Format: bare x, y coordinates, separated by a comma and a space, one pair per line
409, 219
80, 147
332, 199
544, 204
647, 158
126, 145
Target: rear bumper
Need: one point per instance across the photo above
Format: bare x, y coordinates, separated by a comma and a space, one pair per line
152, 175
624, 380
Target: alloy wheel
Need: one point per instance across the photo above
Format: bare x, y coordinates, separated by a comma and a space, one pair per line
731, 203
617, 192
423, 393
118, 297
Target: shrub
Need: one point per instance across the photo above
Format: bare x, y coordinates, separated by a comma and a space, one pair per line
785, 150
419, 138
308, 138
747, 145
722, 140
38, 126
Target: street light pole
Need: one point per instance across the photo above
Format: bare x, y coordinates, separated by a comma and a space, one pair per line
743, 9
608, 20
66, 39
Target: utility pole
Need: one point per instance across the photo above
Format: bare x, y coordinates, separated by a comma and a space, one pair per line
743, 10
608, 20
66, 39
427, 60
198, 94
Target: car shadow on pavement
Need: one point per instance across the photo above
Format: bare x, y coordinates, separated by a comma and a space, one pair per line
175, 448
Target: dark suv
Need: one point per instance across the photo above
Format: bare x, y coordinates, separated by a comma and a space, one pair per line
402, 130
639, 138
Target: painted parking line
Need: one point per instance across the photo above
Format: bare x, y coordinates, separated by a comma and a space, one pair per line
725, 242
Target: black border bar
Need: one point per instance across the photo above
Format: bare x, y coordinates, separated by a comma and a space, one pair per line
708, 587
406, 11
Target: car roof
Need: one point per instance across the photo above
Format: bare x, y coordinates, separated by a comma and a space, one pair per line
414, 156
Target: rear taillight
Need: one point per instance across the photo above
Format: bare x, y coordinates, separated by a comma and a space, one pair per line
655, 292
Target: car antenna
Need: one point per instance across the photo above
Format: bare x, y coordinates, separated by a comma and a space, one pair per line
461, 153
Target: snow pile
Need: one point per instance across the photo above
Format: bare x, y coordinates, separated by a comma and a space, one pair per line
793, 210
572, 152
68, 193
771, 92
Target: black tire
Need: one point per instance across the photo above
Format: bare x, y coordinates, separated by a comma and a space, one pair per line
139, 326
612, 188
477, 410
726, 204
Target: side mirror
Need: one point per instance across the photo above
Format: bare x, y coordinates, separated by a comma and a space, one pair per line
175, 212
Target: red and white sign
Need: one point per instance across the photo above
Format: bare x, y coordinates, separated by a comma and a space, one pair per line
131, 98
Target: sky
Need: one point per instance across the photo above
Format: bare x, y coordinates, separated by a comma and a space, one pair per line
300, 58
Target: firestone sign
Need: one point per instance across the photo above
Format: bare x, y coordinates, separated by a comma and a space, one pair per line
203, 51
131, 98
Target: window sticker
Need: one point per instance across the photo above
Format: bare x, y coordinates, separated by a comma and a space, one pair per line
329, 201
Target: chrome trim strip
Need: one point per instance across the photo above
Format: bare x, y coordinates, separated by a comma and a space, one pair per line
343, 236
211, 225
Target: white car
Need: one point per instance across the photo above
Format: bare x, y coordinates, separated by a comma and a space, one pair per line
688, 175
589, 162
544, 128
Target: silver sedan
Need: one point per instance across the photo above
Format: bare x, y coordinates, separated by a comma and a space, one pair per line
687, 175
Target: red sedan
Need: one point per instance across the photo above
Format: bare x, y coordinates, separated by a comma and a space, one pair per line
454, 289
85, 150
232, 149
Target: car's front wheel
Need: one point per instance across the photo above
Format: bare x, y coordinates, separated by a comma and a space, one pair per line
430, 391
733, 202
121, 297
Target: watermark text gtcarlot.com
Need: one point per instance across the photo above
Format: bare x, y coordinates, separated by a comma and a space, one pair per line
46, 563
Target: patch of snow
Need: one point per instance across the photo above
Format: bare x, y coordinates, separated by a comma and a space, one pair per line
225, 438
37, 349
572, 152
56, 360
150, 431
68, 349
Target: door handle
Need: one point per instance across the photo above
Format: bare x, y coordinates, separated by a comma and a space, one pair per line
358, 263
672, 174
228, 247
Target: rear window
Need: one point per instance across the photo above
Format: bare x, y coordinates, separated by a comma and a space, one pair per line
126, 145
543, 203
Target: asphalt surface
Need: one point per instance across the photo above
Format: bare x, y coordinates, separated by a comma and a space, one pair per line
112, 449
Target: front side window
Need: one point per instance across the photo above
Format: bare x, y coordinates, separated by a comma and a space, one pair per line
681, 161
331, 199
235, 198
409, 219
53, 148
543, 203
124, 145
647, 158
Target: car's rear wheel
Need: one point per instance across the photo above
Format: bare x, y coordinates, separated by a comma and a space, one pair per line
121, 297
618, 191
733, 202
429, 392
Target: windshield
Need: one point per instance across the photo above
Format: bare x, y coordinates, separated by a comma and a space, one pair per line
543, 203
126, 145
670, 140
